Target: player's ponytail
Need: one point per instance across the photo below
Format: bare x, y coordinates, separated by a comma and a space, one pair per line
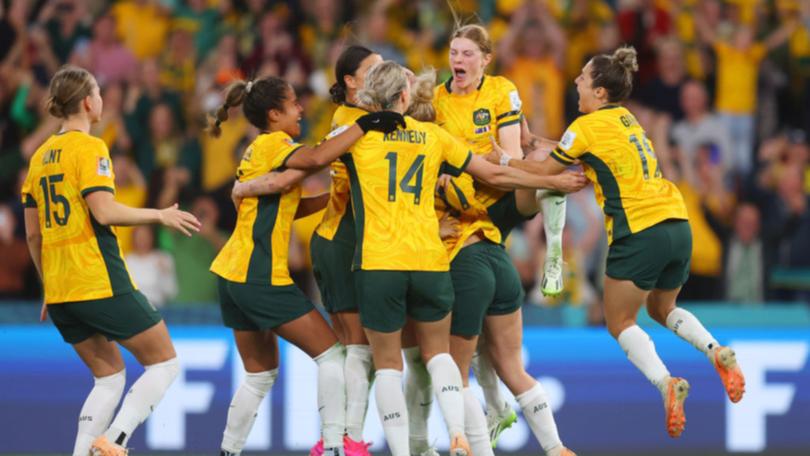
383, 86
257, 97
347, 65
69, 86
614, 73
421, 107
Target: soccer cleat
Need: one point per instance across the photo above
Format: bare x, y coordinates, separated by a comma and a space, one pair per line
459, 446
677, 389
317, 449
103, 447
354, 448
725, 362
567, 452
499, 424
552, 276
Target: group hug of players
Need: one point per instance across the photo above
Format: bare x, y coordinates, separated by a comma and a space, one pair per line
427, 182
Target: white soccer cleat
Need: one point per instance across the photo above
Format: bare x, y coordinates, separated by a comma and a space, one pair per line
552, 276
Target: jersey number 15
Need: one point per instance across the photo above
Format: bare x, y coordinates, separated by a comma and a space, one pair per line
49, 193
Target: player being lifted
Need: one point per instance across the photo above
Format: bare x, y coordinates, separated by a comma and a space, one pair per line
70, 212
647, 228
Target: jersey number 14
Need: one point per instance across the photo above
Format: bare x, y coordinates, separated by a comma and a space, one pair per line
643, 153
414, 173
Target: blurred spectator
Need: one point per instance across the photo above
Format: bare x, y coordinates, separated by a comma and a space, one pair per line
66, 23
745, 274
642, 23
738, 63
532, 55
15, 259
377, 33
152, 270
130, 189
111, 127
193, 255
104, 56
203, 20
663, 91
178, 60
700, 126
143, 25
142, 97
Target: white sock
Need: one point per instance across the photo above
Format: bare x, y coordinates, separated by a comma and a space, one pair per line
446, 379
244, 405
640, 350
475, 425
419, 399
537, 412
357, 370
688, 327
142, 398
332, 395
98, 410
488, 381
392, 409
553, 206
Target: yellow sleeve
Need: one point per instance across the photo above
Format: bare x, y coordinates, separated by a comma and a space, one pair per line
459, 195
508, 109
572, 145
758, 52
281, 151
95, 169
455, 154
27, 193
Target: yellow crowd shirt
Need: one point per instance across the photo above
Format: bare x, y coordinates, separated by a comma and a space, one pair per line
620, 161
393, 177
707, 250
474, 117
81, 258
337, 221
737, 73
259, 245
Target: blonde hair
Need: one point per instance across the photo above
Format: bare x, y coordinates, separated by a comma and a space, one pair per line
69, 86
384, 83
421, 107
477, 34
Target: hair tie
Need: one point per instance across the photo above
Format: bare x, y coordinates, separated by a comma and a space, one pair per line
217, 123
249, 86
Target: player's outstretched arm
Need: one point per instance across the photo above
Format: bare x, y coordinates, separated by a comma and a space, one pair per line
311, 205
107, 211
269, 184
512, 177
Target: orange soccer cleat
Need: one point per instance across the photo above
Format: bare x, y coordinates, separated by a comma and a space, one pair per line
677, 390
725, 362
567, 452
459, 446
103, 447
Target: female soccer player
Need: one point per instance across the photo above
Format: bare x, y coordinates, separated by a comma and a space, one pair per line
475, 107
69, 214
647, 227
454, 205
332, 248
257, 295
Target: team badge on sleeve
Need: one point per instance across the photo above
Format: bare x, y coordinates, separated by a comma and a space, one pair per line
568, 140
104, 167
514, 99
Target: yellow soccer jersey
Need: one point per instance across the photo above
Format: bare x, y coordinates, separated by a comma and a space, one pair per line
81, 259
393, 177
476, 116
335, 216
258, 247
621, 163
458, 199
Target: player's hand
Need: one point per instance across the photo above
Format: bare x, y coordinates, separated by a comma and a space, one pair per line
182, 221
448, 227
497, 152
384, 121
237, 193
443, 181
569, 181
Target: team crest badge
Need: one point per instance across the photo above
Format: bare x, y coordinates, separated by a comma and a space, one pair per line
482, 117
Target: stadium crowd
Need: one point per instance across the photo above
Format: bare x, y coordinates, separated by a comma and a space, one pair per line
723, 93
